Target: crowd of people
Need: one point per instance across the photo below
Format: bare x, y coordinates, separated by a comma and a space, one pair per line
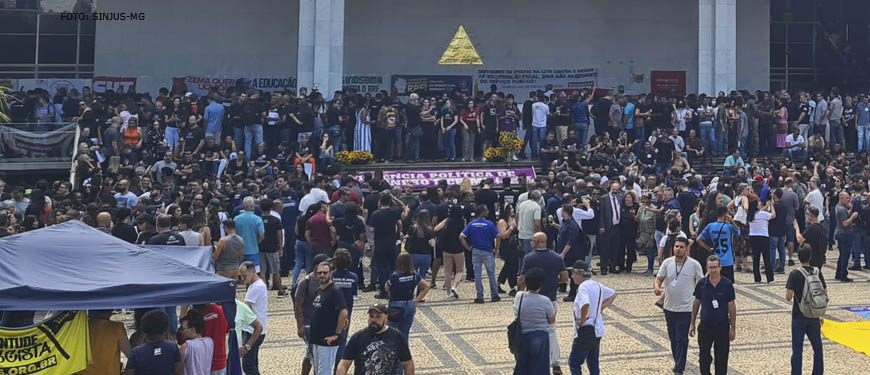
621, 178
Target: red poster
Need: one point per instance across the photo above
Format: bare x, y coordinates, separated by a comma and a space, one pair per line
116, 84
661, 81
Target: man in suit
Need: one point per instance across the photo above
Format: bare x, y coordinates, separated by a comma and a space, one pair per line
608, 231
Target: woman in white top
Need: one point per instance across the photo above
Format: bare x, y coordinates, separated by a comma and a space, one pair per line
759, 217
739, 207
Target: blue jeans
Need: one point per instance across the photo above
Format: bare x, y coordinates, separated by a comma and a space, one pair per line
239, 137
581, 129
421, 264
721, 140
171, 135
405, 325
342, 345
578, 356
335, 137
863, 137
450, 144
538, 136
799, 155
323, 358
480, 259
412, 149
862, 245
777, 245
304, 259
845, 242
837, 135
533, 357
663, 168
708, 139
253, 132
678, 333
812, 328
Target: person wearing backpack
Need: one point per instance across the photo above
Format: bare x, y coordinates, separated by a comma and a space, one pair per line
807, 288
535, 313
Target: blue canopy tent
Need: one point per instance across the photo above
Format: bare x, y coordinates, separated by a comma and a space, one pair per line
197, 256
71, 266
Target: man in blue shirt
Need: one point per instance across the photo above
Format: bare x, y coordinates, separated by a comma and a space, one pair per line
483, 235
581, 117
250, 227
214, 117
714, 296
716, 239
864, 123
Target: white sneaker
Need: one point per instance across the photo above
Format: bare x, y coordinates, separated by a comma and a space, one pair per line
482, 159
516, 158
454, 293
356, 297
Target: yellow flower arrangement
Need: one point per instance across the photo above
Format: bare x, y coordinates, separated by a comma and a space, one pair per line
353, 157
494, 154
510, 141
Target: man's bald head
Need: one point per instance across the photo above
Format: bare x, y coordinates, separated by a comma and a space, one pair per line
539, 241
104, 220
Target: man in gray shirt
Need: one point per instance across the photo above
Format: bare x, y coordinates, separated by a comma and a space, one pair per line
821, 114
157, 168
845, 235
836, 112
792, 204
228, 252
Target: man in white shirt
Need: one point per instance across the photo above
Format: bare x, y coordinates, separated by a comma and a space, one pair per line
796, 145
592, 298
679, 143
678, 275
313, 195
815, 198
540, 112
257, 299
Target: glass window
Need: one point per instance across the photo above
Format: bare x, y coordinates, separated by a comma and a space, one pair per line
86, 49
57, 49
17, 22
52, 24
18, 49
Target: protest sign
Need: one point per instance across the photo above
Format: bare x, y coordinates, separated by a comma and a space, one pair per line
364, 84
520, 81
433, 85
56, 143
59, 346
426, 178
116, 84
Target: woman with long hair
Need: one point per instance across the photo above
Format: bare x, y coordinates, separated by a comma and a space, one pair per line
759, 217
448, 121
468, 119
781, 116
400, 286
739, 208
419, 242
351, 232
453, 254
362, 134
509, 249
628, 229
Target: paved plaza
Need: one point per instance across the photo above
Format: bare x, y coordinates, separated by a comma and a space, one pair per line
459, 337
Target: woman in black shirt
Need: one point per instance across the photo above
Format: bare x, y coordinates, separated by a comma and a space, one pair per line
420, 242
401, 287
351, 233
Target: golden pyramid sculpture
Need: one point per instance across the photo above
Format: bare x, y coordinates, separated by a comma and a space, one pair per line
460, 51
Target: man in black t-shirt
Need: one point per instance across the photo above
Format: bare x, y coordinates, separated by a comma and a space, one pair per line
386, 225
210, 158
327, 322
814, 235
272, 247
378, 349
165, 235
801, 325
485, 195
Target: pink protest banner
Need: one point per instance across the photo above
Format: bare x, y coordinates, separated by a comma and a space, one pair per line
424, 179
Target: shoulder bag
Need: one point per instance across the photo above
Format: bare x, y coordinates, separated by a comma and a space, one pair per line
515, 330
586, 334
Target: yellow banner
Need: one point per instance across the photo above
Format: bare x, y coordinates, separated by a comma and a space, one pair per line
58, 346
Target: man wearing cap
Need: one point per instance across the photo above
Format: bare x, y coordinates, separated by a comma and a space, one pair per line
377, 349
678, 275
592, 298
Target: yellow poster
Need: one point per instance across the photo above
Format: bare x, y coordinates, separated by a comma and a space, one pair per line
58, 346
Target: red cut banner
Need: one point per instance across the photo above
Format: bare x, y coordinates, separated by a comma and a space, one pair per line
661, 81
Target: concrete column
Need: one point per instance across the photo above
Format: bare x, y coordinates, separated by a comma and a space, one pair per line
725, 75
305, 46
706, 40
336, 48
322, 29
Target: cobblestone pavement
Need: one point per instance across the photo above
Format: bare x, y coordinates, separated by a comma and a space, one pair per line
459, 337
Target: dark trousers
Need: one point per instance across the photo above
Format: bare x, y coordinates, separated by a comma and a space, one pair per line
764, 138
627, 254
812, 328
251, 360
678, 333
728, 273
385, 259
760, 246
845, 241
509, 270
382, 142
716, 338
579, 356
609, 247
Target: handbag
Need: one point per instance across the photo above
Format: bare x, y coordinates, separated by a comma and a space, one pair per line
586, 334
515, 330
396, 314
